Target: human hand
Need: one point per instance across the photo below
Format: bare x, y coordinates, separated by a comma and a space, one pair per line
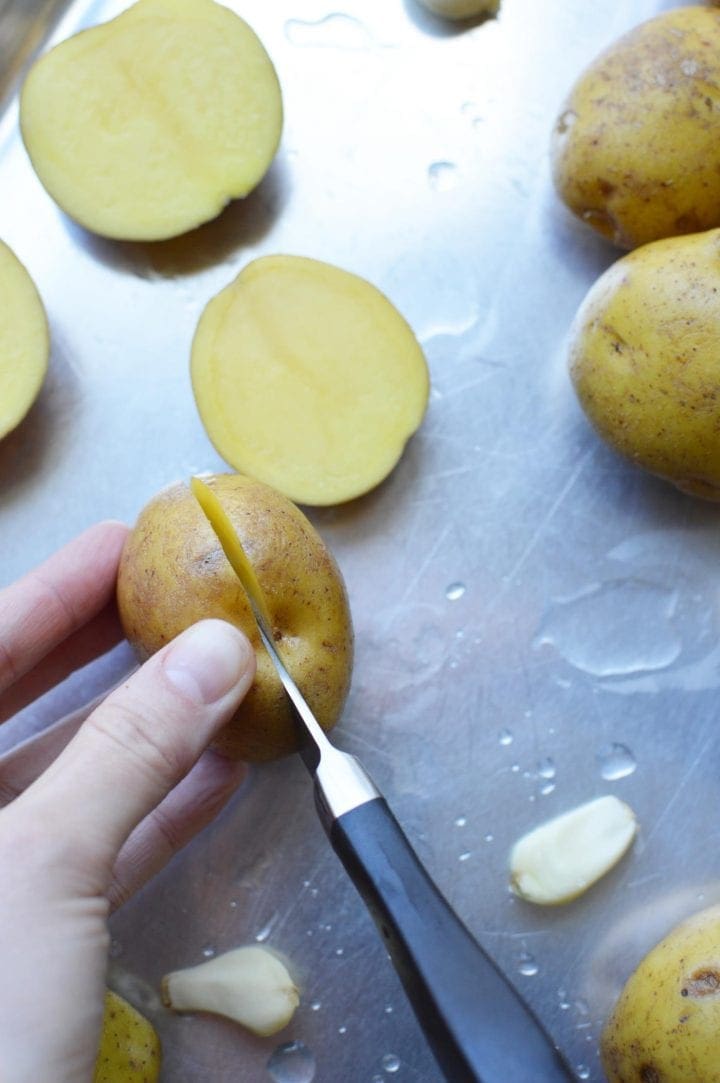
131, 787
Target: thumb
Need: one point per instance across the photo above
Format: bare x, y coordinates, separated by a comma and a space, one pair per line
138, 744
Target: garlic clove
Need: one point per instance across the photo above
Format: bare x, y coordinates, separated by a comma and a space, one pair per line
562, 858
250, 985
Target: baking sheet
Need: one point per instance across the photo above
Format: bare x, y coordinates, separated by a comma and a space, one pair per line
536, 620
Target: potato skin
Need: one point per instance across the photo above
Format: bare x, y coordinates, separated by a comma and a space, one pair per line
645, 363
664, 1027
129, 1046
634, 149
173, 573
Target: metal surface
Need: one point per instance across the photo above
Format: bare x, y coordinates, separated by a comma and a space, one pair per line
536, 621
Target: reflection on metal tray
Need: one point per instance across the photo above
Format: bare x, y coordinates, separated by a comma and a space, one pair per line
536, 621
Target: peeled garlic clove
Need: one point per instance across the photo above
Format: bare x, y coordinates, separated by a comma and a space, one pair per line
562, 858
250, 985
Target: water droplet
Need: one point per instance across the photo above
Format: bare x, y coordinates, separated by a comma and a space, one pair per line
527, 965
616, 761
442, 176
547, 789
389, 1009
464, 856
292, 1063
582, 1006
339, 951
454, 591
209, 951
314, 892
505, 738
233, 904
378, 1079
515, 768
583, 1072
342, 1030
489, 838
390, 1062
116, 949
264, 933
306, 883
563, 1002
546, 768
615, 628
316, 1006
335, 31
461, 821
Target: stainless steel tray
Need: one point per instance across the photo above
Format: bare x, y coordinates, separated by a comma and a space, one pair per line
536, 621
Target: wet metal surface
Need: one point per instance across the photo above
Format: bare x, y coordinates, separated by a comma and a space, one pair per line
537, 622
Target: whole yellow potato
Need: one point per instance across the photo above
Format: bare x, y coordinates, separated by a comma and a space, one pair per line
645, 359
173, 572
129, 1046
665, 1027
634, 150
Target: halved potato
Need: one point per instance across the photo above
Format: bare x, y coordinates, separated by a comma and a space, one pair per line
148, 125
307, 378
24, 341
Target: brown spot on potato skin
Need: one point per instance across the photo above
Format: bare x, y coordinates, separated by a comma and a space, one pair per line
702, 983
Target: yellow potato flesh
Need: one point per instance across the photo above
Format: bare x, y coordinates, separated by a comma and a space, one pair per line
645, 364
24, 341
307, 378
635, 145
146, 126
129, 1047
664, 1028
173, 572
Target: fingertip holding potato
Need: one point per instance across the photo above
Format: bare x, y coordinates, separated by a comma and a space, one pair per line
146, 126
307, 377
664, 1026
173, 572
24, 341
129, 1046
644, 360
634, 149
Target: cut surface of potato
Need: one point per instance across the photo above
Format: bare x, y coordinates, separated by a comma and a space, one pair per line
307, 378
147, 126
129, 1046
24, 341
461, 9
562, 858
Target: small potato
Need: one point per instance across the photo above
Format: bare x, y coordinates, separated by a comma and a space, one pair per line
664, 1027
645, 363
173, 572
634, 150
129, 1046
148, 125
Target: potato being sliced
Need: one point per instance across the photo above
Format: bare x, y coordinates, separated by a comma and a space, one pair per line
307, 378
24, 341
148, 125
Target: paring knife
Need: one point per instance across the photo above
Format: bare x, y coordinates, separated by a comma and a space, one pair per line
475, 1022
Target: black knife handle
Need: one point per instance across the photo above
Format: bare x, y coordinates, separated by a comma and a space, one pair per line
478, 1028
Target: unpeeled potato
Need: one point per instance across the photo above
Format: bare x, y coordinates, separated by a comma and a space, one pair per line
146, 126
129, 1046
173, 572
645, 364
308, 378
634, 149
664, 1027
24, 341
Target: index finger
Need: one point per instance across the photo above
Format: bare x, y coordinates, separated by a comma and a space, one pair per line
56, 599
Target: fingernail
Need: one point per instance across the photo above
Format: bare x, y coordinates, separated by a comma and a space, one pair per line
207, 661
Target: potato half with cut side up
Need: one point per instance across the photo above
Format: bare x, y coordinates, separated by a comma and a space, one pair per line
148, 125
308, 378
24, 341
